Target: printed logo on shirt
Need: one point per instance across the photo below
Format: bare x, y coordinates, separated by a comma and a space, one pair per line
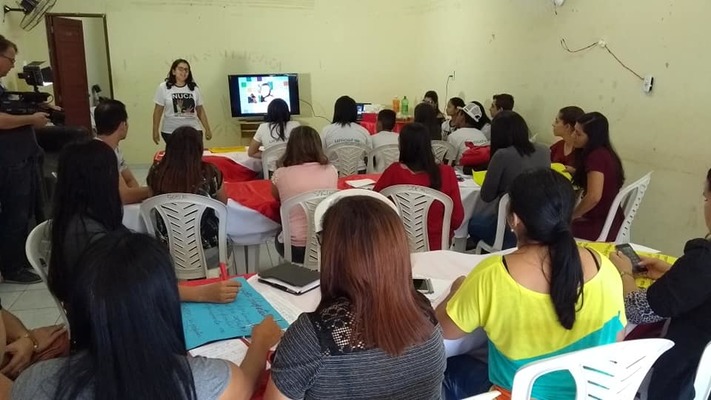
183, 104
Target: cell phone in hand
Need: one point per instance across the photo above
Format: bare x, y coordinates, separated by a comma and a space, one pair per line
628, 251
423, 285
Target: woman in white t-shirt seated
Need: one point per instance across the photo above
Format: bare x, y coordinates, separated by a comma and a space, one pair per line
275, 130
304, 168
466, 120
178, 102
345, 128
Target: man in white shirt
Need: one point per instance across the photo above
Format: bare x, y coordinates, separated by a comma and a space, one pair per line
464, 120
385, 126
111, 128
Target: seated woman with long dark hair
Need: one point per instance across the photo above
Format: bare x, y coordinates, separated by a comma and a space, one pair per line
546, 298
511, 154
276, 128
599, 173
87, 206
417, 166
681, 292
372, 336
127, 333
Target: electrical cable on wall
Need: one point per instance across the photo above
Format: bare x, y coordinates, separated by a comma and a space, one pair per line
602, 44
446, 88
313, 112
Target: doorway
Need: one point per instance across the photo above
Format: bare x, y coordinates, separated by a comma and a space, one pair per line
81, 64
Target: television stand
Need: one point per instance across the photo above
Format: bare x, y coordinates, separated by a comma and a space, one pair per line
248, 127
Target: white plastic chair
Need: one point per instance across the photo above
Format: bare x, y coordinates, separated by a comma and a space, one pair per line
612, 371
533, 138
444, 150
414, 203
348, 158
308, 202
38, 256
702, 383
500, 229
629, 199
182, 215
329, 201
270, 156
381, 157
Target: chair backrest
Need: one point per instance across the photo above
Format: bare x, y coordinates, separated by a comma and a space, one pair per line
330, 200
501, 222
629, 199
308, 202
613, 371
347, 157
182, 217
702, 383
37, 248
444, 152
382, 156
270, 156
414, 203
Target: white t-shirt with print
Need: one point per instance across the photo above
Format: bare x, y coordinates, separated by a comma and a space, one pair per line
352, 133
459, 138
269, 137
447, 129
179, 106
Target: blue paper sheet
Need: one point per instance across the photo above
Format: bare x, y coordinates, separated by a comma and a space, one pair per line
205, 323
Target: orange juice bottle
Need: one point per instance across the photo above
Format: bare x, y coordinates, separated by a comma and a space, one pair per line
396, 105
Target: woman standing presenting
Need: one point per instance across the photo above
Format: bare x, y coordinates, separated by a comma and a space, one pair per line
179, 102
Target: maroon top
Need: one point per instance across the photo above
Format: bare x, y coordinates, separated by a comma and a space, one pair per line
558, 154
590, 225
398, 174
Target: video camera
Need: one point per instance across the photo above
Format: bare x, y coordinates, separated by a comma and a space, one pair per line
28, 103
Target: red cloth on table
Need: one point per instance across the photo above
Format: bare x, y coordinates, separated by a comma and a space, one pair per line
256, 195
370, 120
589, 226
231, 171
397, 174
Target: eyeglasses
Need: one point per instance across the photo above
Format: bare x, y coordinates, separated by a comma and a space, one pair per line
319, 237
183, 69
12, 60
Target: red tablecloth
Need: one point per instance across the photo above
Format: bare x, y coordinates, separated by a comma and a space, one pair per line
257, 195
231, 170
369, 122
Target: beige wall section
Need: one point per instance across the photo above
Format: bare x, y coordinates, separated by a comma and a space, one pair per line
374, 49
97, 62
514, 46
341, 47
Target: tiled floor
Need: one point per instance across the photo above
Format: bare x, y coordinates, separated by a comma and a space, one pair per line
34, 305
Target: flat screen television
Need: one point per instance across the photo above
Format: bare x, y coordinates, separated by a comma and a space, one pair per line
251, 94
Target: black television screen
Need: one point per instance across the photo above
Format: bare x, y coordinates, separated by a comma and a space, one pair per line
251, 94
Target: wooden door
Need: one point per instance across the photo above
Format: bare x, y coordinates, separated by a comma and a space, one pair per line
68, 59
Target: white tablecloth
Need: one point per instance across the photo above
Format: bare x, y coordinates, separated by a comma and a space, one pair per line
438, 265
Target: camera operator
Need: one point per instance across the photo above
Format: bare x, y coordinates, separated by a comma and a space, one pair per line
19, 153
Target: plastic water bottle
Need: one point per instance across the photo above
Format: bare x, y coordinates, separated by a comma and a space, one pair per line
396, 105
405, 105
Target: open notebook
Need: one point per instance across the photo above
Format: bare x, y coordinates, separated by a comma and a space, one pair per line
291, 278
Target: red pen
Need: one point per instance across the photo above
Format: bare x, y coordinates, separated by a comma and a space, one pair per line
223, 272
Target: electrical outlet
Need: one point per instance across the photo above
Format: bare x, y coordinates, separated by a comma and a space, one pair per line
602, 43
648, 84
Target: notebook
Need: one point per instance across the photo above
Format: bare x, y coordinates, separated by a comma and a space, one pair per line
291, 278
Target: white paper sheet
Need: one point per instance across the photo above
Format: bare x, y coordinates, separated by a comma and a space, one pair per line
233, 350
287, 310
360, 183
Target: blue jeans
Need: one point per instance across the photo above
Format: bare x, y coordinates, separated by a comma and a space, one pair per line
483, 227
17, 201
464, 377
